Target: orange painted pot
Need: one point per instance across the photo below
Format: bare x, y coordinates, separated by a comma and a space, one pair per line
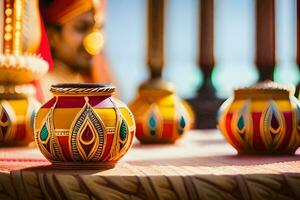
262, 119
17, 111
160, 115
83, 126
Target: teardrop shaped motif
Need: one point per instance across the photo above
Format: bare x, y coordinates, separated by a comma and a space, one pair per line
152, 121
182, 122
87, 140
152, 124
242, 119
275, 122
3, 131
4, 117
4, 122
88, 135
123, 131
241, 123
182, 125
44, 134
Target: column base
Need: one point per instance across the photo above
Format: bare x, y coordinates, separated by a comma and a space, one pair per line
205, 112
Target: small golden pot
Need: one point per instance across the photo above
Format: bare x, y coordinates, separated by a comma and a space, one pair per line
262, 119
160, 116
82, 126
17, 110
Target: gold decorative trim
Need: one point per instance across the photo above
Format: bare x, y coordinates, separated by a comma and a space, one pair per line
75, 89
41, 143
15, 91
87, 117
118, 147
48, 122
110, 130
61, 132
8, 26
266, 129
21, 69
266, 89
18, 12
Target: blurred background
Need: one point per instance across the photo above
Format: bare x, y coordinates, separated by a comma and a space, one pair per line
234, 45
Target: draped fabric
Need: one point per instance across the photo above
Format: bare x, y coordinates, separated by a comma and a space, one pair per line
201, 166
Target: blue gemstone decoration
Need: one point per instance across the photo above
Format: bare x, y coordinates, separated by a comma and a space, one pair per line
152, 122
241, 123
44, 133
123, 130
182, 122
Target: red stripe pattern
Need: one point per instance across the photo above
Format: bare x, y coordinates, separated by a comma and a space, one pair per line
258, 120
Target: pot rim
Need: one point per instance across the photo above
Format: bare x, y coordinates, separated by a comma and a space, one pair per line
157, 85
263, 90
83, 89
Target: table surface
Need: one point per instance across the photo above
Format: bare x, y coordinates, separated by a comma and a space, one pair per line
200, 166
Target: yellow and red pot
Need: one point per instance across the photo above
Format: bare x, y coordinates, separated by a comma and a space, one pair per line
84, 126
263, 118
160, 115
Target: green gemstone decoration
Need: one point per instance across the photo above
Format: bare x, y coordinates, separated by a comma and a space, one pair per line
152, 121
123, 130
44, 133
241, 123
182, 122
152, 132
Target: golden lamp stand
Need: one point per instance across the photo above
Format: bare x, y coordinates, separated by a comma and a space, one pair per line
18, 70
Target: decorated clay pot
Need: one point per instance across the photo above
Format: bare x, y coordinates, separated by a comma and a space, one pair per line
83, 126
17, 111
160, 116
263, 118
17, 97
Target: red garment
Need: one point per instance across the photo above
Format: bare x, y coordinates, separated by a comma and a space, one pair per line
44, 48
45, 52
